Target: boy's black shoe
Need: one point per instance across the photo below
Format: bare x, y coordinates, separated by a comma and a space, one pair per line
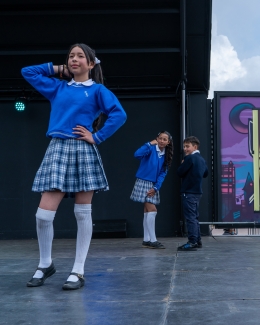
199, 243
146, 244
156, 245
188, 247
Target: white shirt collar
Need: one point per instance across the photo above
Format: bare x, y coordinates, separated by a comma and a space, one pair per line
160, 153
88, 82
195, 151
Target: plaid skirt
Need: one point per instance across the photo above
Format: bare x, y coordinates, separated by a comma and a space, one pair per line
70, 166
139, 193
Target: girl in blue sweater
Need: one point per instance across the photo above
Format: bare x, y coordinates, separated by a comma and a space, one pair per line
156, 158
72, 164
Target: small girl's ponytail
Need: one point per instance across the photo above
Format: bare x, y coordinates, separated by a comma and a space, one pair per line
168, 151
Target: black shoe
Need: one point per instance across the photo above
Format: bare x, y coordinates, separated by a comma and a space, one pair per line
156, 245
199, 243
47, 272
188, 247
146, 244
70, 285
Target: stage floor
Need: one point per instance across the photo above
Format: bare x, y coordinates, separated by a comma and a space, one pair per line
130, 285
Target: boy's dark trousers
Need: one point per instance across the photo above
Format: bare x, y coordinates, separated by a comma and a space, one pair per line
190, 204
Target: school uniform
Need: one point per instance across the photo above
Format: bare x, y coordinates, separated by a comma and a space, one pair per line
71, 165
150, 174
192, 171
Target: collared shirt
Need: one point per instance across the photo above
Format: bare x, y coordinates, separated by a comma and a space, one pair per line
159, 152
75, 104
195, 151
88, 82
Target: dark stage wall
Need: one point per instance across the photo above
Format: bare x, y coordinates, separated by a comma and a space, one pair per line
23, 144
146, 64
199, 124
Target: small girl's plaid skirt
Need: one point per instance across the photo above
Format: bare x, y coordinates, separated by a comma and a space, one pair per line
70, 165
139, 193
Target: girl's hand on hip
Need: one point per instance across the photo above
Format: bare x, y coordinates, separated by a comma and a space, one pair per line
84, 134
151, 192
153, 142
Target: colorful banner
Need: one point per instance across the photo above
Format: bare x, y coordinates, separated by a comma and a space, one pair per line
239, 151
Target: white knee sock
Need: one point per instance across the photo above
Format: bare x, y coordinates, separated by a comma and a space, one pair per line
44, 227
151, 225
146, 232
84, 234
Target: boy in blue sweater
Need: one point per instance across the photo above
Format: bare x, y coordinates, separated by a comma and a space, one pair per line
192, 170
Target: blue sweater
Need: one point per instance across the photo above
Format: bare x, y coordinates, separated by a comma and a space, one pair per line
151, 166
75, 105
192, 170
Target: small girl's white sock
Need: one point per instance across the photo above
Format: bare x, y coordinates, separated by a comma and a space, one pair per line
146, 232
151, 225
84, 234
44, 227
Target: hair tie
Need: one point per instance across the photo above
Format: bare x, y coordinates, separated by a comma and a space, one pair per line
97, 61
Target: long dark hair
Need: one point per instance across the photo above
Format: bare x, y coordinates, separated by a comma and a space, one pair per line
95, 74
168, 151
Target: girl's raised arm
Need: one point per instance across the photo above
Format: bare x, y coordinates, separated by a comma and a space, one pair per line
38, 77
143, 151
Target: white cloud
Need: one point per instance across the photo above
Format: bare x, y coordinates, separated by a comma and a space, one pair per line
252, 80
227, 71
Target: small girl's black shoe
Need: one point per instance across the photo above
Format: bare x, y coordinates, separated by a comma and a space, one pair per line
146, 244
156, 245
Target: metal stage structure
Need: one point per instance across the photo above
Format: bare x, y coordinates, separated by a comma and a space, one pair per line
155, 55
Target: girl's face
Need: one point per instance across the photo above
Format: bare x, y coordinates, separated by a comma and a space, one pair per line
78, 64
162, 140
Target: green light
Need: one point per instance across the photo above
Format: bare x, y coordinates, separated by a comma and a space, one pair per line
20, 104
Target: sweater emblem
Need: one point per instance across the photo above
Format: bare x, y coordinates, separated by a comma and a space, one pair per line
86, 93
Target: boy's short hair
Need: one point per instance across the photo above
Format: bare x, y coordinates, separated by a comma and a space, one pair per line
193, 140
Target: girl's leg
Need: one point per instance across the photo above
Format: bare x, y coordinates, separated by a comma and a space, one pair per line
51, 200
145, 226
44, 226
82, 212
150, 219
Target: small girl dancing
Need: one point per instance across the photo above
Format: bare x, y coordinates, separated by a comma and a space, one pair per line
72, 164
156, 159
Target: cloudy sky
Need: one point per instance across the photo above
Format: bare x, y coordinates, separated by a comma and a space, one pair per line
235, 47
